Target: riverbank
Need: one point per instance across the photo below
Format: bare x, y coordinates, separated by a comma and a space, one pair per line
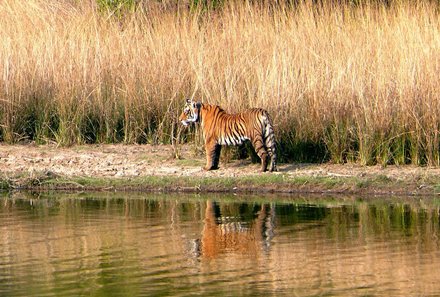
148, 168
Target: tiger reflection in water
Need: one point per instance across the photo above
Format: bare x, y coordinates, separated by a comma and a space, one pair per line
225, 234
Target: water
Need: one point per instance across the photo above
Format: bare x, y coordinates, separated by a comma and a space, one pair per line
185, 245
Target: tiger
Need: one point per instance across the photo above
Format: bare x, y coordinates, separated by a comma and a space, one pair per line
221, 128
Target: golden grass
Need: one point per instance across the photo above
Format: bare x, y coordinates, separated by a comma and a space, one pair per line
349, 82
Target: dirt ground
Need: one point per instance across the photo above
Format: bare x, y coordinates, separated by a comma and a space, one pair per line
144, 160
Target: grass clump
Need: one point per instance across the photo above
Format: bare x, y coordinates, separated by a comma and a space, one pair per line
343, 82
4, 184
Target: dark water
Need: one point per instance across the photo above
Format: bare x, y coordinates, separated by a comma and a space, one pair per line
162, 245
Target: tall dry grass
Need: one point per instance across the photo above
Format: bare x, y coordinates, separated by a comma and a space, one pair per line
342, 82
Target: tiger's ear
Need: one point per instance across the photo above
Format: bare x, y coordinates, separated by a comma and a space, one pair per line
188, 101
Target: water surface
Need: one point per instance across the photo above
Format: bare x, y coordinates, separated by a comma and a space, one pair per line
180, 245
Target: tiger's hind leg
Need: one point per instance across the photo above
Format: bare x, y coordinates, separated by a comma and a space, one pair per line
269, 142
258, 144
270, 145
212, 155
273, 159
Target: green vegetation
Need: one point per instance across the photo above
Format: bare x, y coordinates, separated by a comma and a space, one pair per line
342, 82
262, 183
116, 5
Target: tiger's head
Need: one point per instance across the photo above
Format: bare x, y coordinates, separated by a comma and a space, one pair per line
190, 112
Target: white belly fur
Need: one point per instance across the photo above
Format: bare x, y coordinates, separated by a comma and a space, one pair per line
229, 140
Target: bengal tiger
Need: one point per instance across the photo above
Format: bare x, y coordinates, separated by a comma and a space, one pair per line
220, 128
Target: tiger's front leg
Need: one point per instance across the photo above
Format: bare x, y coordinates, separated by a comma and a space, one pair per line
212, 155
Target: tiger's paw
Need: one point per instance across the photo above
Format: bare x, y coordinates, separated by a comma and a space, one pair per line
273, 169
209, 168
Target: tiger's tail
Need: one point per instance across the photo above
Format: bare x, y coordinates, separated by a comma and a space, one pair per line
269, 141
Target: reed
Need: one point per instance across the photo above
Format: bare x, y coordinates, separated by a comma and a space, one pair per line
342, 82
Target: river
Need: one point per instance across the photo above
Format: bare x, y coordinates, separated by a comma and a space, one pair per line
119, 244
